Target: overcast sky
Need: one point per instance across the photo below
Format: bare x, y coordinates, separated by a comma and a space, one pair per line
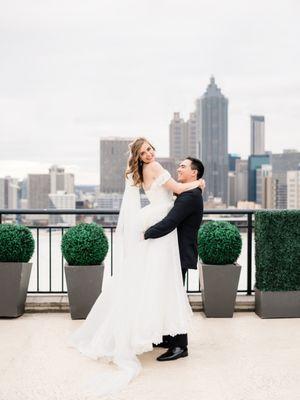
73, 71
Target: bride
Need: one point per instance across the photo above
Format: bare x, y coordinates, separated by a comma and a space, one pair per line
145, 298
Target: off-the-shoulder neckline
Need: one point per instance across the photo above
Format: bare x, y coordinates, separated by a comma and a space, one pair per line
154, 180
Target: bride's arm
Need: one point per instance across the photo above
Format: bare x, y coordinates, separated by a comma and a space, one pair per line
178, 188
172, 185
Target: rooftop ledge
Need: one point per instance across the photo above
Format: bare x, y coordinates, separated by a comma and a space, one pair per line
59, 303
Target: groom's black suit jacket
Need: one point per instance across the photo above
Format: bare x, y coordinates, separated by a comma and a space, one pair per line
186, 216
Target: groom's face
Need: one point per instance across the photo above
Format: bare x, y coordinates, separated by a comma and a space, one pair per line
185, 173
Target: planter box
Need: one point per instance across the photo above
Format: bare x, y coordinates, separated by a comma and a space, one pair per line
84, 284
285, 304
14, 281
219, 285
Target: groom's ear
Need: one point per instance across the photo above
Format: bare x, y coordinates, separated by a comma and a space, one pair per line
195, 173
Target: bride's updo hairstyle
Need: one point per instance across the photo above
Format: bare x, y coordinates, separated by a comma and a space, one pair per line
135, 164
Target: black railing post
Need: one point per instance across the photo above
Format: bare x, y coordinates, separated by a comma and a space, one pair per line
50, 266
249, 254
62, 263
38, 259
111, 252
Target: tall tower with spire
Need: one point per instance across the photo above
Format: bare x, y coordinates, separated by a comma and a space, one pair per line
212, 135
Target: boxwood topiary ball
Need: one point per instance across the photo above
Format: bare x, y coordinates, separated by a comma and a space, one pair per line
84, 244
219, 243
16, 243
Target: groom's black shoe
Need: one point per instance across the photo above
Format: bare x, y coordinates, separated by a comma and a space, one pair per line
173, 354
164, 345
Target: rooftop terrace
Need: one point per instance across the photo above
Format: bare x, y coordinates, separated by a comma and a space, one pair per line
239, 358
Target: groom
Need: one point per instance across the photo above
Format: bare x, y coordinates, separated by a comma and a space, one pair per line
186, 216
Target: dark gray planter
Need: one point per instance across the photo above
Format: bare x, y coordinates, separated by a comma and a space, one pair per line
285, 304
14, 281
84, 284
219, 285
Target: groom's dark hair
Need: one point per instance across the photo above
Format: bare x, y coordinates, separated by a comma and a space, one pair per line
197, 164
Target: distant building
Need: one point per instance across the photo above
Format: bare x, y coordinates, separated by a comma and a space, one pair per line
265, 187
64, 201
183, 137
114, 153
212, 133
214, 203
231, 189
232, 159
241, 177
281, 164
257, 134
38, 190
254, 163
9, 193
60, 180
177, 139
293, 189
191, 137
245, 205
40, 186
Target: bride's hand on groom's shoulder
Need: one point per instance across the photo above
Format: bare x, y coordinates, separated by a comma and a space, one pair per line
201, 184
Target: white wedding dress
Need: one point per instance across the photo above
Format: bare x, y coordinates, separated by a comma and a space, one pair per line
144, 300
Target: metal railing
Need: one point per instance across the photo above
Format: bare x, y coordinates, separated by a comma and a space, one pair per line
246, 223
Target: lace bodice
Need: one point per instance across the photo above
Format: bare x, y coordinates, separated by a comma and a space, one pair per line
157, 193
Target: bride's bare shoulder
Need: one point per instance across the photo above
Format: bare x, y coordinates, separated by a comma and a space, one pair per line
155, 167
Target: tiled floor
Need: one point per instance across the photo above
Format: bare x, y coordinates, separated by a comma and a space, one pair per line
243, 358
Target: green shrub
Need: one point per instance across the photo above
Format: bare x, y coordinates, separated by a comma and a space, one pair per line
219, 242
84, 244
16, 243
277, 250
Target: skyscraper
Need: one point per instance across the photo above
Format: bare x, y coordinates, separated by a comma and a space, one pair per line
282, 163
9, 192
254, 163
177, 137
265, 187
191, 137
183, 137
114, 153
257, 134
293, 189
60, 180
232, 159
231, 189
241, 172
38, 190
212, 136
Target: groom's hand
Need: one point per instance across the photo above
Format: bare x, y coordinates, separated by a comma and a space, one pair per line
146, 235
202, 184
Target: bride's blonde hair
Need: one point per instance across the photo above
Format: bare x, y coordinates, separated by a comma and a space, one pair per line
135, 164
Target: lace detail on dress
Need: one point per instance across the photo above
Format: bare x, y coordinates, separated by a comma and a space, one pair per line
163, 178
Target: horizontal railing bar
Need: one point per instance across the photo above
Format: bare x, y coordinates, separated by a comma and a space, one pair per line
106, 212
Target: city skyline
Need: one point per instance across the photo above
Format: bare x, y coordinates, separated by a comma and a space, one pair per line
68, 79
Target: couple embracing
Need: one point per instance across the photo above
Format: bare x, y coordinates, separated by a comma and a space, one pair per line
144, 304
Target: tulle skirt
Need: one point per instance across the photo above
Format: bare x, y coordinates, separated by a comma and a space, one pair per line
143, 301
